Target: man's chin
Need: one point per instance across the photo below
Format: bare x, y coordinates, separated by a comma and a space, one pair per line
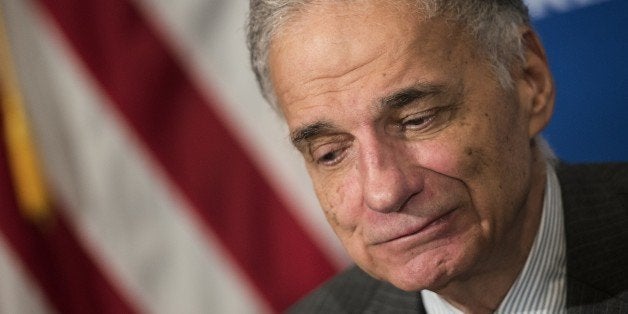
414, 264
416, 281
431, 270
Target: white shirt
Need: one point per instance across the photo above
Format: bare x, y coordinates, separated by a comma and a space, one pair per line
541, 285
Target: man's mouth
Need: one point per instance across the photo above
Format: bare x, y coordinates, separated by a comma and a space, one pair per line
426, 227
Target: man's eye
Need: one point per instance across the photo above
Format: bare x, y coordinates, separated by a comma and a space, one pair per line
329, 154
419, 121
426, 121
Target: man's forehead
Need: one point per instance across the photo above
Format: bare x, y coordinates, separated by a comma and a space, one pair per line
333, 38
381, 11
343, 23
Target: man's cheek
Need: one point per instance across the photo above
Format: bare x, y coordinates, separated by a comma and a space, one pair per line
455, 160
340, 201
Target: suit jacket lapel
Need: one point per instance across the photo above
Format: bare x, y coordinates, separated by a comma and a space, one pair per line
596, 220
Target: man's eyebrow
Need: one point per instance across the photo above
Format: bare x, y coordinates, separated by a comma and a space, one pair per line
405, 96
303, 134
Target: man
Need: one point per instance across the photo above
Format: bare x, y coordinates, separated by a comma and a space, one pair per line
419, 122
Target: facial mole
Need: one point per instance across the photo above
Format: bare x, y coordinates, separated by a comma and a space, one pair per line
330, 213
478, 163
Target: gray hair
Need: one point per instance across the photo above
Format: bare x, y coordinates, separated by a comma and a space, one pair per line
493, 24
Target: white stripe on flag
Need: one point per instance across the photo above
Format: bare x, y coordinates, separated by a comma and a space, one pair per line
135, 225
18, 293
209, 39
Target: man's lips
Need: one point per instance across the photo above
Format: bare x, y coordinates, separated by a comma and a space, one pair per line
421, 227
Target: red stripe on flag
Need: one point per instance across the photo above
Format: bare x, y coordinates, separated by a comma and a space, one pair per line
52, 255
168, 112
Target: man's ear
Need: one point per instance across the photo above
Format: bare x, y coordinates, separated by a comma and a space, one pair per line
535, 83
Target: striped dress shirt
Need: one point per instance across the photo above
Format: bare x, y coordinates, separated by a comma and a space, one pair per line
541, 286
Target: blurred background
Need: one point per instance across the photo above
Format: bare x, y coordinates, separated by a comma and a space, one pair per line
140, 170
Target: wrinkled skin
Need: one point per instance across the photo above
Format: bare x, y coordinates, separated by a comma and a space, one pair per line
425, 166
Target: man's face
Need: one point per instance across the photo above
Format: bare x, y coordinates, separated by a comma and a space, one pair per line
420, 160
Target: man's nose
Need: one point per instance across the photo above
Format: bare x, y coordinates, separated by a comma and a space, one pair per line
387, 183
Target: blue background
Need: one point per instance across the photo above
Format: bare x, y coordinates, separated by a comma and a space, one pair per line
588, 53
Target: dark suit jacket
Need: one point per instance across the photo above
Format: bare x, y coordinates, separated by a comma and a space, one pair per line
595, 202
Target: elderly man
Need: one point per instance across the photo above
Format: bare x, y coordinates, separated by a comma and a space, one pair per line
419, 122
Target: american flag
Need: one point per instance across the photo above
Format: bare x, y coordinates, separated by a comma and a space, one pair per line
168, 186
166, 183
